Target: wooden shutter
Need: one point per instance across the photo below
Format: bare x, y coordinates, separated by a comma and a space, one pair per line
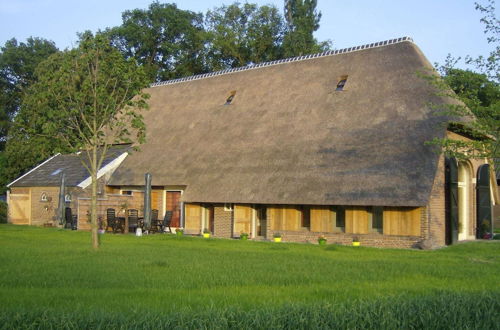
292, 218
322, 219
193, 218
402, 221
451, 200
285, 218
483, 197
356, 220
242, 219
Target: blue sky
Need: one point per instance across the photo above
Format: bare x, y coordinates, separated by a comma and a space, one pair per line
438, 27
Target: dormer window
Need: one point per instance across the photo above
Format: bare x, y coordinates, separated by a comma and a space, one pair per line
230, 98
341, 83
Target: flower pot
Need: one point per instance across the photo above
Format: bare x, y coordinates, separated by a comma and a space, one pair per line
322, 242
277, 239
356, 243
206, 235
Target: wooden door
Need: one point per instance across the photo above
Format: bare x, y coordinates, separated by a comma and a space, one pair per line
173, 204
20, 209
483, 196
451, 199
193, 218
242, 219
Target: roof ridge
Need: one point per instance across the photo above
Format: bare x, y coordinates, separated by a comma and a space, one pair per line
285, 60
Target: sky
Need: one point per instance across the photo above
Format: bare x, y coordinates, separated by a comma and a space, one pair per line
438, 27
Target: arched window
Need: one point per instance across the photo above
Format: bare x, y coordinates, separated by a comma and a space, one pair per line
44, 197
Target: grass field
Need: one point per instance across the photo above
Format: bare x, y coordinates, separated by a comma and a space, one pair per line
52, 278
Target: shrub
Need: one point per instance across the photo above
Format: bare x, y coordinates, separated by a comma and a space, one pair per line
3, 212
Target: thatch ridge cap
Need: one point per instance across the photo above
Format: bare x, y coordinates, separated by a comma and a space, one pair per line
285, 60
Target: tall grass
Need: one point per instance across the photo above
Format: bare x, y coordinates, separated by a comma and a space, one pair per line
52, 277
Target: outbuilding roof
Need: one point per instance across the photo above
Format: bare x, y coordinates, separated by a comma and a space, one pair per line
48, 173
289, 137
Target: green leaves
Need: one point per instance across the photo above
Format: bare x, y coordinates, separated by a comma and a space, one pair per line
86, 97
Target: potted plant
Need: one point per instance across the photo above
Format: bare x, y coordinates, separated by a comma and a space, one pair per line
485, 228
277, 237
244, 236
179, 232
321, 240
206, 233
102, 225
355, 241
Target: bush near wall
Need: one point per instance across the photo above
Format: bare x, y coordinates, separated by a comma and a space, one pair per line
3, 212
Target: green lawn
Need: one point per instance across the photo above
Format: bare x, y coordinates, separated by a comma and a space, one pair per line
53, 277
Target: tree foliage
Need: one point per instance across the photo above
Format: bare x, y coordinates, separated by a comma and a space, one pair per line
86, 99
167, 41
478, 94
18, 61
243, 34
302, 20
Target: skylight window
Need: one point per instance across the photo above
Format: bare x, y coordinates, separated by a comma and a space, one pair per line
56, 172
341, 83
230, 98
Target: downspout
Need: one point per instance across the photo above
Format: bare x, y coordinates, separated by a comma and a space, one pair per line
182, 215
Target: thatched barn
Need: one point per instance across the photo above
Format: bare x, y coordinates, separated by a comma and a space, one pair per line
332, 144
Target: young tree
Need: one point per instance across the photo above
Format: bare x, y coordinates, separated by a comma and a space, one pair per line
87, 98
243, 34
302, 20
167, 41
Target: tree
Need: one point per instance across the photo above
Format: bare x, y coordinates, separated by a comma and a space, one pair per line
478, 109
302, 20
243, 34
18, 62
89, 98
167, 41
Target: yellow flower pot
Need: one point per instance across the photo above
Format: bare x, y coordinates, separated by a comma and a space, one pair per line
206, 235
277, 239
356, 243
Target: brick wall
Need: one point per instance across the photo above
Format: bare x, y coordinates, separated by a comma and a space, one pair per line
223, 222
45, 212
436, 209
374, 240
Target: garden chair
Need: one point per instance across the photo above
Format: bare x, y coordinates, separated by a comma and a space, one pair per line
71, 220
166, 222
155, 223
133, 220
112, 222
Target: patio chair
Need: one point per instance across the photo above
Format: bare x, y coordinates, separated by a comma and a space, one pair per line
133, 220
155, 223
70, 219
112, 222
166, 222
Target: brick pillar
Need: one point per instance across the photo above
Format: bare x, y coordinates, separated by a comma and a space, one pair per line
223, 222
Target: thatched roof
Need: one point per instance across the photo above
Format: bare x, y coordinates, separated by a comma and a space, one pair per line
289, 138
48, 173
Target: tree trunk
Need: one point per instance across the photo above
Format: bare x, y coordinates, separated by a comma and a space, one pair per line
93, 208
